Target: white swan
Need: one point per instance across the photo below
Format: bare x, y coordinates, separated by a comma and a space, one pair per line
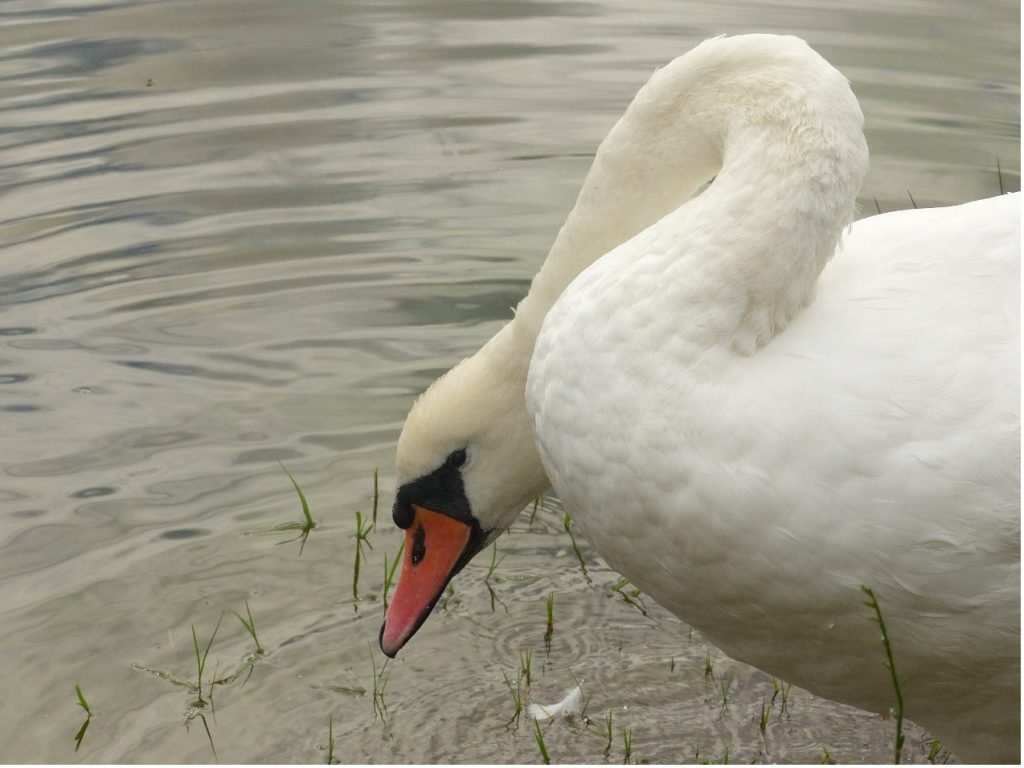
746, 430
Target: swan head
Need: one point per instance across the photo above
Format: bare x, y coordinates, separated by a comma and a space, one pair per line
466, 465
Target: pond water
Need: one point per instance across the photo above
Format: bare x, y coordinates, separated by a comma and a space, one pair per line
237, 235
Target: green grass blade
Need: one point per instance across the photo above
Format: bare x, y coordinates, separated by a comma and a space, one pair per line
81, 732
376, 495
302, 498
567, 524
389, 572
330, 740
540, 744
872, 603
81, 700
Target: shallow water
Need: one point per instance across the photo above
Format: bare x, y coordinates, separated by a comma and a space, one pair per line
236, 234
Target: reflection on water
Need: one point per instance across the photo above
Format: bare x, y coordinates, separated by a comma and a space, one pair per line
237, 234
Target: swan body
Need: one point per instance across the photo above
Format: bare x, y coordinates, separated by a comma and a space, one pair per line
746, 427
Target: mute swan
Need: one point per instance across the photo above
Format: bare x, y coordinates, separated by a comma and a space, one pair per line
745, 429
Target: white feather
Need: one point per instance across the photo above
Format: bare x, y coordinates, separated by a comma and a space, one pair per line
568, 707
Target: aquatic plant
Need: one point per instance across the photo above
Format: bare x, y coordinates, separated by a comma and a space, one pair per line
630, 597
890, 664
250, 627
780, 687
330, 740
549, 609
540, 743
705, 761
376, 495
201, 658
303, 526
526, 666
516, 694
724, 685
495, 562
449, 593
81, 700
536, 503
935, 749
389, 572
607, 733
88, 716
380, 682
362, 532
567, 524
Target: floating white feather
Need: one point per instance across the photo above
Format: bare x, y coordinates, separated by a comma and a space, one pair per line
567, 707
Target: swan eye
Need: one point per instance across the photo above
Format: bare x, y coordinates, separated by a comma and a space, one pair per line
457, 458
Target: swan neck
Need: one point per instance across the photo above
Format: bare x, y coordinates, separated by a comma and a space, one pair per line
781, 133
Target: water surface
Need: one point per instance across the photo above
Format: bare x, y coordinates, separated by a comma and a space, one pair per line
236, 234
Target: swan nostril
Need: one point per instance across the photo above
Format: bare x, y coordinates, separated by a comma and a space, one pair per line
419, 545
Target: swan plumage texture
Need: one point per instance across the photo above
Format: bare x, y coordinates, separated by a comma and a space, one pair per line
752, 407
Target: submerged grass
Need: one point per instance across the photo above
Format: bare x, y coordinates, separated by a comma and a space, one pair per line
495, 562
330, 740
201, 660
890, 664
250, 660
607, 733
526, 667
724, 685
699, 760
520, 689
250, 627
88, 716
516, 694
536, 504
200, 703
779, 687
549, 609
389, 572
540, 743
567, 524
362, 531
197, 708
449, 593
935, 750
303, 526
376, 494
192, 715
629, 596
380, 682
81, 700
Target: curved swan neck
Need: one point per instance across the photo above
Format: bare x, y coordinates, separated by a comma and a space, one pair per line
782, 131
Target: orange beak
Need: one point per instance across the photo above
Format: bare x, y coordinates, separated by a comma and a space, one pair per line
434, 546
